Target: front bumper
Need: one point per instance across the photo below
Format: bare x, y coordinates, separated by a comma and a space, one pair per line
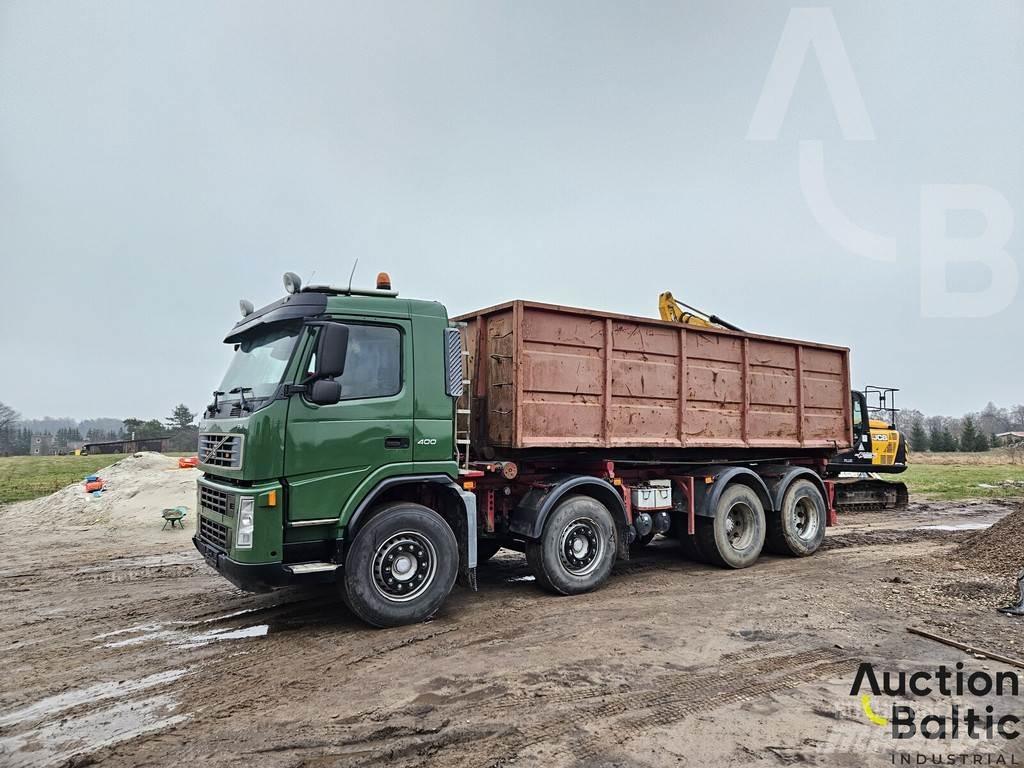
257, 577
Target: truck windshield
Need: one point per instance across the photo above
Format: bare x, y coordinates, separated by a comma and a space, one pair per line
260, 360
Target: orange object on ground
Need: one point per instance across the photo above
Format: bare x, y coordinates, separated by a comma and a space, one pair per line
188, 462
95, 485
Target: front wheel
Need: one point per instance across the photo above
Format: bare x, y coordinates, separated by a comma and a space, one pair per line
577, 548
401, 566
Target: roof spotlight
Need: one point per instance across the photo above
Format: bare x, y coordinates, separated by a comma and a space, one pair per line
383, 281
292, 282
246, 306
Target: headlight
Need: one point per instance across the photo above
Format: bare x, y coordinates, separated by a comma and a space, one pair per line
243, 534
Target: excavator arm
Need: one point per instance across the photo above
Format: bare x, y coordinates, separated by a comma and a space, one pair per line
675, 311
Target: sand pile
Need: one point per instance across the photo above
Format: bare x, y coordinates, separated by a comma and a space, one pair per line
999, 549
137, 489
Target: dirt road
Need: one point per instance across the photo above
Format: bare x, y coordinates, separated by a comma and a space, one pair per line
121, 647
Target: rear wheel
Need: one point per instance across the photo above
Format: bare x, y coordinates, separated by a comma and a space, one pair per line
577, 548
401, 566
736, 534
799, 528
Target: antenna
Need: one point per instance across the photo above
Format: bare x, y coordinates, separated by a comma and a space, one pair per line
351, 275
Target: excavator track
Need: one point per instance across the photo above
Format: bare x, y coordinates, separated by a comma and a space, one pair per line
855, 494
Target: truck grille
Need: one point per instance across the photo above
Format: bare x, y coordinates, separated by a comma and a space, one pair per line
218, 501
218, 450
213, 533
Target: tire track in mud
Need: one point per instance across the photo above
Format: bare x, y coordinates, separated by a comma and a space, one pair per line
671, 698
585, 723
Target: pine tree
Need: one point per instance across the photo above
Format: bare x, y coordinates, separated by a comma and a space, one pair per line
968, 434
918, 437
181, 418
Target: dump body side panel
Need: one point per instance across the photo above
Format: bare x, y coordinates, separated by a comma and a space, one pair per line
548, 376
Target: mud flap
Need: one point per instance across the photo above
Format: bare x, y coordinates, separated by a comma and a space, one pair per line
467, 540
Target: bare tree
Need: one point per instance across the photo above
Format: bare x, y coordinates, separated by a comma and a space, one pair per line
1017, 416
8, 416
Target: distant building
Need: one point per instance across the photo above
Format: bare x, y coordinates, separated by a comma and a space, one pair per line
1005, 438
158, 444
42, 445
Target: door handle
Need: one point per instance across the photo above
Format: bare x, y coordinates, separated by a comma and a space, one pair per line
396, 442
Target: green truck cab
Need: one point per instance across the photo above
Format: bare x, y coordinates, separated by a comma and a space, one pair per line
335, 417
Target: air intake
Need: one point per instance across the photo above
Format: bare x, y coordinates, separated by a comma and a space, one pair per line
453, 362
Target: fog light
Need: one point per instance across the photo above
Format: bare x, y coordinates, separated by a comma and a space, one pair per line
243, 534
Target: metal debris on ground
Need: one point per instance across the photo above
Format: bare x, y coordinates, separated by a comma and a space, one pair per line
1017, 609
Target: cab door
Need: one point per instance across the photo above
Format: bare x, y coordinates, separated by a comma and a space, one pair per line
331, 449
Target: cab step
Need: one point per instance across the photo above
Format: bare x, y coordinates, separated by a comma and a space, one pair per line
303, 568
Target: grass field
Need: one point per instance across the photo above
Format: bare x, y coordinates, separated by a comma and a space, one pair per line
964, 481
28, 477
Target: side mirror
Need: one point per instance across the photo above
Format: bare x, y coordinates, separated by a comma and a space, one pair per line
325, 392
331, 351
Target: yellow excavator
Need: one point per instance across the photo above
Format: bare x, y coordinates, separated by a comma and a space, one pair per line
878, 446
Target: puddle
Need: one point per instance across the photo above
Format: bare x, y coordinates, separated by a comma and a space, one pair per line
216, 635
127, 630
92, 694
233, 614
58, 741
957, 527
514, 579
180, 636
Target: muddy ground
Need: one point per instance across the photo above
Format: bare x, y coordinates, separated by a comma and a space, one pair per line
121, 647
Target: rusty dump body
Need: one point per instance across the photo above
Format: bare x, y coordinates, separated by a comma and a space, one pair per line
545, 377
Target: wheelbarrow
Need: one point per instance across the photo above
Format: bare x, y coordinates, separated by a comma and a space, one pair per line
174, 516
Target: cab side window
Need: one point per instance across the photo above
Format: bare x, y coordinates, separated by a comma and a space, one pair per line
373, 365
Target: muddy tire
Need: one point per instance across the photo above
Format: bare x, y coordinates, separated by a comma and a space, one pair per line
486, 549
735, 537
577, 548
799, 528
401, 566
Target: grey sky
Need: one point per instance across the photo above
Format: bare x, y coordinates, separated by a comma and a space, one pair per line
160, 161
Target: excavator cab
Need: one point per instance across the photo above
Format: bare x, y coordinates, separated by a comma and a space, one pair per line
878, 446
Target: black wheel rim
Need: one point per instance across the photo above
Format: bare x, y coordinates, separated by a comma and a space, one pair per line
404, 566
581, 547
